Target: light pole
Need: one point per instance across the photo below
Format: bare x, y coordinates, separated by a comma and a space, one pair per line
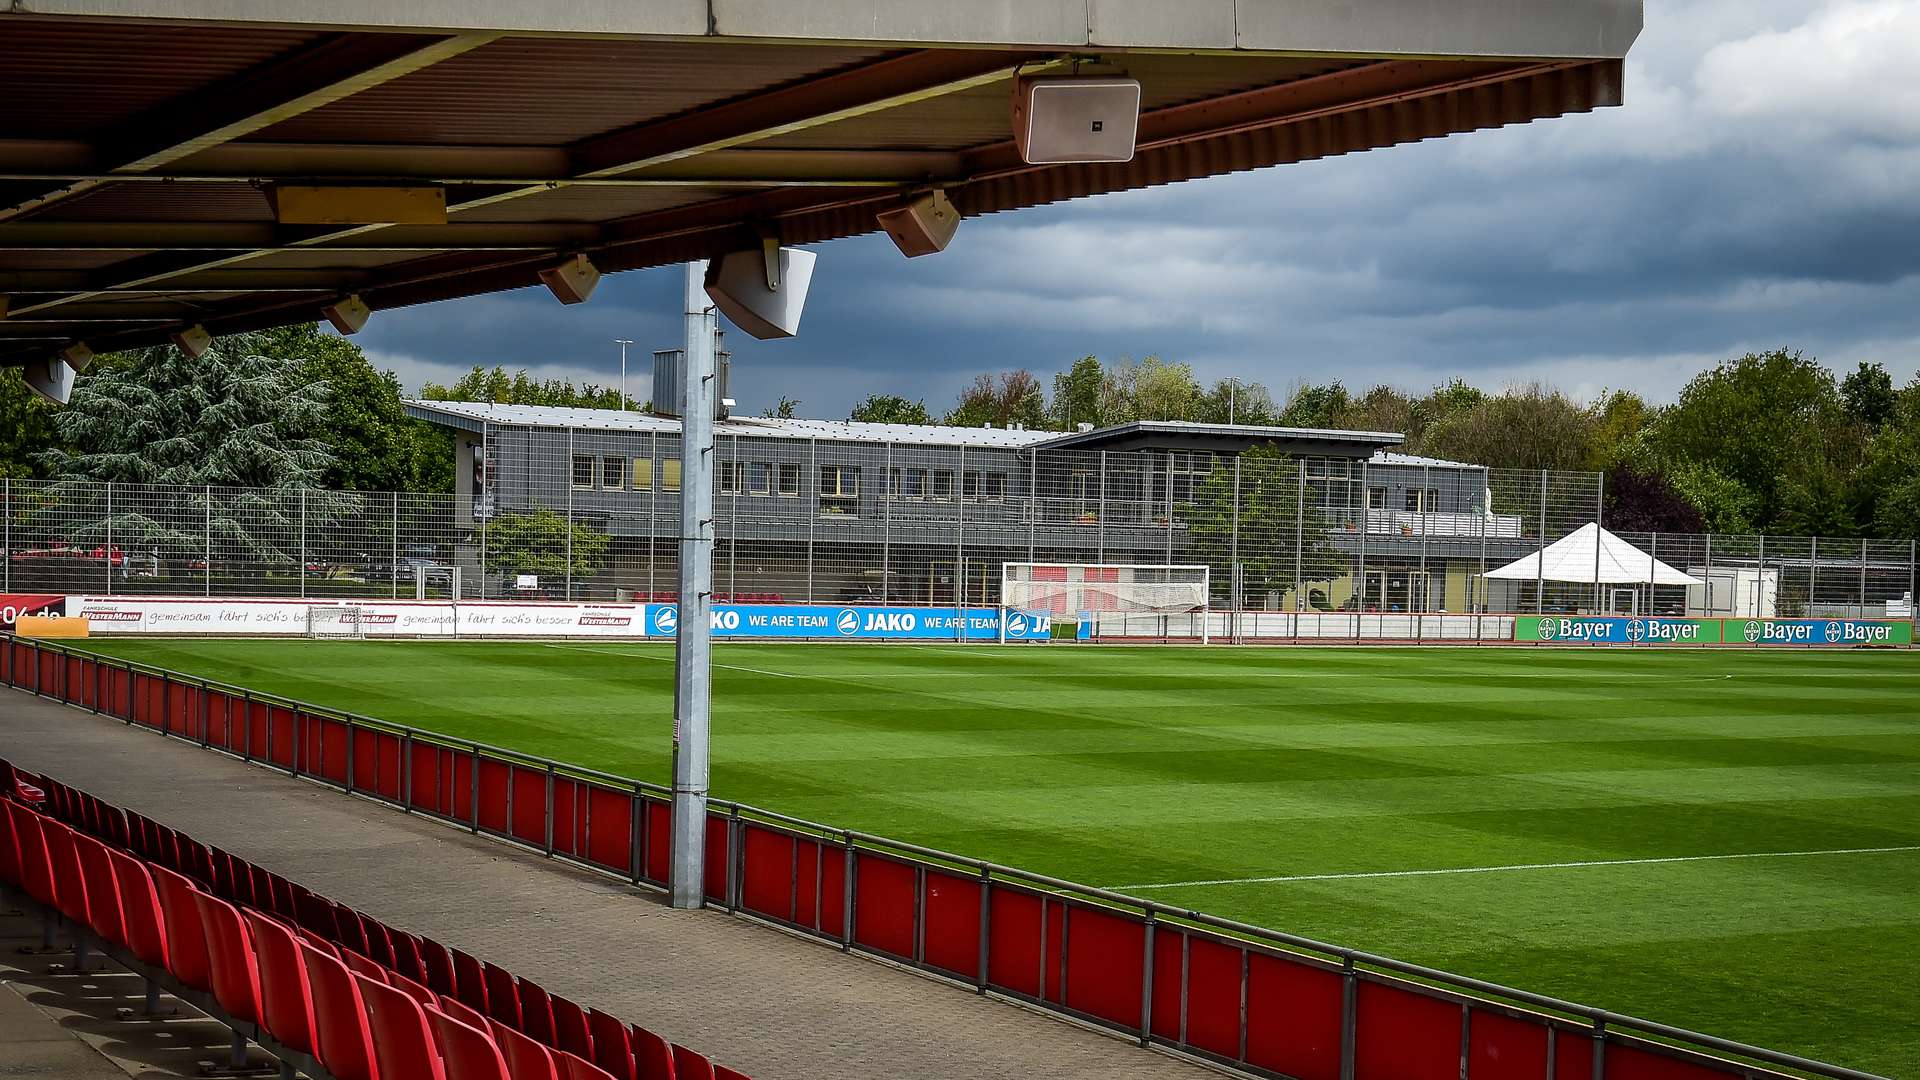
623, 343
692, 691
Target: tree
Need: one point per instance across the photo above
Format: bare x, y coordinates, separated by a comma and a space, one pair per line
27, 429
1620, 423
373, 444
1528, 427
891, 409
1076, 395
1003, 400
1148, 389
787, 409
1382, 409
496, 386
1290, 545
238, 417
1725, 504
1234, 402
1868, 394
1889, 480
1315, 406
1648, 502
535, 542
1760, 420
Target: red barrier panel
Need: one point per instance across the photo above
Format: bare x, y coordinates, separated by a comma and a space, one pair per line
883, 914
719, 856
769, 872
1502, 1047
1632, 1063
495, 779
1213, 996
330, 758
610, 833
1406, 1035
1014, 955
1293, 1017
527, 797
568, 809
1105, 964
1572, 1056
1168, 989
950, 924
461, 785
657, 821
428, 779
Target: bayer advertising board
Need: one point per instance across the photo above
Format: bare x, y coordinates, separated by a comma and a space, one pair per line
856, 623
1631, 630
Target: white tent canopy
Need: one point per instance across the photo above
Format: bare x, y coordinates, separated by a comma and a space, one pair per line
1589, 555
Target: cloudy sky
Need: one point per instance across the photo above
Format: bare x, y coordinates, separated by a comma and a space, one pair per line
1761, 188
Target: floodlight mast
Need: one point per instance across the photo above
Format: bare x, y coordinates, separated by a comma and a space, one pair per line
692, 690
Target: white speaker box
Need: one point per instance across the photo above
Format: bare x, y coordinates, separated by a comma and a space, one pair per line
1071, 119
51, 378
194, 341
348, 315
77, 355
572, 281
737, 284
923, 226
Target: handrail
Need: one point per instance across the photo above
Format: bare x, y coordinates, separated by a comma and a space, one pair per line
1151, 909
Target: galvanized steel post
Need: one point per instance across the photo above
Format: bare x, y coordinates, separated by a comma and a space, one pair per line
692, 640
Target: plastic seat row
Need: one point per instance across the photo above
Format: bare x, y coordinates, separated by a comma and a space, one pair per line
362, 1000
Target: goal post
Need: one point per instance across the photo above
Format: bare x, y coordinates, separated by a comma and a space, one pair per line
1124, 596
336, 621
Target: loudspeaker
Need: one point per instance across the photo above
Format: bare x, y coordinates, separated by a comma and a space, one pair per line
348, 315
194, 341
923, 226
77, 355
737, 284
51, 378
572, 281
1070, 119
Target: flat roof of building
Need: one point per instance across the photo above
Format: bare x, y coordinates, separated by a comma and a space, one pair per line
166, 164
1151, 429
473, 416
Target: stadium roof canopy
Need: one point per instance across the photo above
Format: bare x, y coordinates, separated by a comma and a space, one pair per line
1591, 554
166, 163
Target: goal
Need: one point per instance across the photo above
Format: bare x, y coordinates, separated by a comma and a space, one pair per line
1112, 600
336, 621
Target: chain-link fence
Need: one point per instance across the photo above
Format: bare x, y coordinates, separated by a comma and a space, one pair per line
564, 515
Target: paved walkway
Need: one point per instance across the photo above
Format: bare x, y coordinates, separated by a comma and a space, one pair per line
762, 1001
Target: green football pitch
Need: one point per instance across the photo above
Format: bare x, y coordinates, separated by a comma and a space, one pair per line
1723, 840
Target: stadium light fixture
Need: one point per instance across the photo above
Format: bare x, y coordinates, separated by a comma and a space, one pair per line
194, 341
348, 314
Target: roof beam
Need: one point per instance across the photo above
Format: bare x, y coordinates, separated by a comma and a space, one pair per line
337, 67
138, 236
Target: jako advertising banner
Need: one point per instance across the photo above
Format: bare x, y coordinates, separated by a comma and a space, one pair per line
1628, 630
857, 623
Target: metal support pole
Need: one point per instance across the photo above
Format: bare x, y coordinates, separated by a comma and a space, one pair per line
209, 538
1540, 553
1033, 499
692, 644
813, 519
1101, 518
1300, 544
303, 541
108, 550
1234, 601
393, 571
1599, 512
486, 519
568, 542
892, 492
1861, 612
1813, 573
6, 557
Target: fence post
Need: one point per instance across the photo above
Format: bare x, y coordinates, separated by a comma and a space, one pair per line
1234, 603
1863, 579
567, 544
986, 927
813, 518
1300, 546
1100, 518
393, 564
6, 557
1813, 572
549, 811
888, 494
209, 552
1349, 1016
303, 542
1540, 553
108, 550
473, 789
1599, 510
1365, 524
847, 894
1033, 499
1146, 973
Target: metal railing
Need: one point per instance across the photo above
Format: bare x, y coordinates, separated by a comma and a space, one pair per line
1260, 1001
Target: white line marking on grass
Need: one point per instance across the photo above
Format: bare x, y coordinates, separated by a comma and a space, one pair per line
668, 659
1517, 866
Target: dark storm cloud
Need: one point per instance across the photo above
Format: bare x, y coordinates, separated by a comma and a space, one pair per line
1745, 198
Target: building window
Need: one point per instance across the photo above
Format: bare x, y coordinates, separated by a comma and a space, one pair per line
583, 470
995, 488
839, 489
1419, 501
1376, 498
970, 484
728, 480
759, 478
613, 473
942, 484
670, 474
642, 474
789, 479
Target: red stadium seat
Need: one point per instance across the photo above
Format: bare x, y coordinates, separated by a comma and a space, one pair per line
438, 965
503, 997
316, 941
570, 1032
526, 1059
403, 1042
536, 1013
470, 982
343, 1039
186, 941
69, 891
414, 990
286, 1001
235, 968
452, 1007
36, 869
406, 955
362, 966
140, 909
688, 1065
379, 948
652, 1056
103, 896
612, 1047
9, 846
576, 1067
470, 1052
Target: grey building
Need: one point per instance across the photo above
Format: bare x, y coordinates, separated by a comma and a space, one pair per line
840, 511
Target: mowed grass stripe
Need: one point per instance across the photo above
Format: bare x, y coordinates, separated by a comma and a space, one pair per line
1177, 764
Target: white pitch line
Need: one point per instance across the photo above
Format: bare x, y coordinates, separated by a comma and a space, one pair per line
668, 659
1517, 866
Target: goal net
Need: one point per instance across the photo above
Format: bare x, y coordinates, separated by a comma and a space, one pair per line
1113, 600
336, 621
